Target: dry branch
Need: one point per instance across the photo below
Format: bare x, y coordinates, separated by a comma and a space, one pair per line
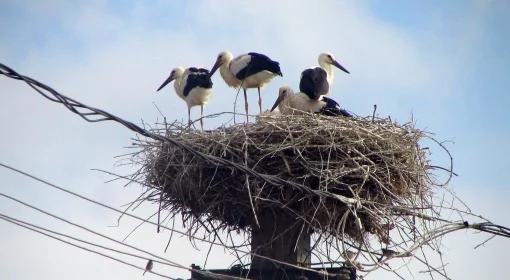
341, 178
364, 186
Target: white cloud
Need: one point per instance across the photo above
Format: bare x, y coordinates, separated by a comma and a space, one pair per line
121, 72
377, 52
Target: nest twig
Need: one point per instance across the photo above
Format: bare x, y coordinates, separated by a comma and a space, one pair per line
329, 166
344, 178
415, 214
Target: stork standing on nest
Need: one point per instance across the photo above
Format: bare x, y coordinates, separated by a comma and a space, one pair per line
289, 103
251, 70
193, 85
316, 81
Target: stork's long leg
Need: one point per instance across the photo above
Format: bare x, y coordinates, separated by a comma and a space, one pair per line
202, 117
260, 101
245, 104
189, 117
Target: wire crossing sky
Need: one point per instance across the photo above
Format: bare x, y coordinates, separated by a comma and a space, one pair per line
444, 64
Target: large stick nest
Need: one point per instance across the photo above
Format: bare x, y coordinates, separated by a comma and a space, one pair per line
344, 177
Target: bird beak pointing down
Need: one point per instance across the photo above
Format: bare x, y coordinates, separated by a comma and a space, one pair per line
340, 66
166, 82
217, 64
280, 98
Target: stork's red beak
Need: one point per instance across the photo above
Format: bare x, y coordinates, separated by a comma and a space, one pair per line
277, 102
166, 82
340, 66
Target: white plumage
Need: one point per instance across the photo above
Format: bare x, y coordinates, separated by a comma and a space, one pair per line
239, 63
193, 85
251, 70
290, 103
316, 81
326, 60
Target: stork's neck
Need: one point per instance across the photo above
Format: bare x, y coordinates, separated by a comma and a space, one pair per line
227, 75
177, 85
286, 102
329, 71
285, 105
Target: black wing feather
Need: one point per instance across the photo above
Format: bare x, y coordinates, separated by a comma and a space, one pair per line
314, 82
198, 70
332, 108
197, 77
259, 63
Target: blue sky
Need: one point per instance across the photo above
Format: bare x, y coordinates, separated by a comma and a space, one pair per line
445, 63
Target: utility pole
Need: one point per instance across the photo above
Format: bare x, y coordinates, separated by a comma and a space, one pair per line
283, 238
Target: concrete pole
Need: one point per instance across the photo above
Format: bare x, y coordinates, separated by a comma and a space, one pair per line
280, 237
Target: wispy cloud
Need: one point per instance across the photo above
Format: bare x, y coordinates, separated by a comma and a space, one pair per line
114, 56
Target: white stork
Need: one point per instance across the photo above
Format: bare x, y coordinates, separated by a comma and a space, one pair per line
316, 81
251, 70
193, 85
289, 103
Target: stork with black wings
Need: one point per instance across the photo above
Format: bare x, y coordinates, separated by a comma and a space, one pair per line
316, 81
289, 103
193, 85
251, 70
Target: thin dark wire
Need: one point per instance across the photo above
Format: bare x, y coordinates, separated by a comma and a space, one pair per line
166, 261
92, 114
101, 115
153, 223
96, 202
84, 241
81, 247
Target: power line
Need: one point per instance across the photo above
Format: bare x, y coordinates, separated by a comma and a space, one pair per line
102, 204
91, 114
7, 219
164, 260
153, 223
40, 228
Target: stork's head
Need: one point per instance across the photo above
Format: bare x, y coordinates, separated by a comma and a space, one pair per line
223, 58
283, 94
329, 59
176, 73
